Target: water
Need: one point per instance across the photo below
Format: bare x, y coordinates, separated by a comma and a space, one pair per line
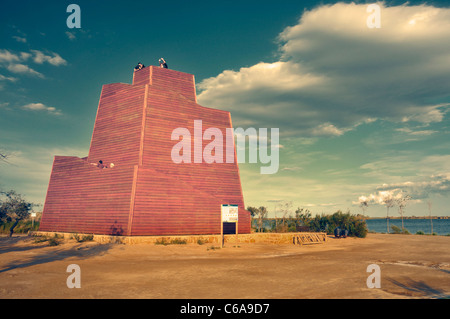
440, 226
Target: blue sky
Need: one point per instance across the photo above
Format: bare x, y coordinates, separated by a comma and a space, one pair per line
362, 113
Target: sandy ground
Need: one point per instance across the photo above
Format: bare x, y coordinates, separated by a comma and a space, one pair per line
412, 266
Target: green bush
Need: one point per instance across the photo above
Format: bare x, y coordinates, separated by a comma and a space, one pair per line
161, 241
53, 242
355, 224
420, 232
398, 230
178, 241
83, 238
201, 241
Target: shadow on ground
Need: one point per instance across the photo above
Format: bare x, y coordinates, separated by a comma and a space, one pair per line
50, 254
420, 288
8, 244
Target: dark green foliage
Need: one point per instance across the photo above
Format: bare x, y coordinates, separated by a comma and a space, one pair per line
13, 207
53, 242
23, 226
15, 213
176, 241
303, 221
398, 230
161, 241
253, 211
260, 214
83, 238
355, 224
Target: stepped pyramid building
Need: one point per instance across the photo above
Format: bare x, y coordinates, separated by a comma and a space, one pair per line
144, 192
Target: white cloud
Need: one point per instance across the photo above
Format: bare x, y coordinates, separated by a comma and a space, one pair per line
429, 114
14, 62
6, 56
40, 58
24, 56
41, 107
19, 68
7, 78
20, 39
70, 35
421, 178
416, 133
422, 188
327, 129
335, 73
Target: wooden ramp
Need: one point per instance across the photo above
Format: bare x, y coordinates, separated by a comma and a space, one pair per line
309, 238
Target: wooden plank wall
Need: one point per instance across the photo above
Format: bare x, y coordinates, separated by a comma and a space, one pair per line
166, 205
117, 129
166, 79
143, 76
145, 193
167, 111
83, 198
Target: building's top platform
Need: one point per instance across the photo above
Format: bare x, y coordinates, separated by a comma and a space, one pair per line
180, 82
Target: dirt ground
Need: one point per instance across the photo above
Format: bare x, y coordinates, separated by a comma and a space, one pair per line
412, 266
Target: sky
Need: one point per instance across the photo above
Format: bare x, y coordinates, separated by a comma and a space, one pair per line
362, 112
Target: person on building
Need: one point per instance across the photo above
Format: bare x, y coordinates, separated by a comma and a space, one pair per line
139, 66
101, 165
162, 63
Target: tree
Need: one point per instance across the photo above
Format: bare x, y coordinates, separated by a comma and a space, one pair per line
285, 209
364, 204
262, 214
401, 202
13, 207
389, 201
302, 217
253, 211
429, 212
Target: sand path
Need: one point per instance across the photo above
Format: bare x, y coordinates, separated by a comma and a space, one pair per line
412, 266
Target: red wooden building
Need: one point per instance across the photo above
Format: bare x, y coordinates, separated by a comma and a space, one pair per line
145, 192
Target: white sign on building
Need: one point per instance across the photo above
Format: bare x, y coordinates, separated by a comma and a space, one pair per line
230, 213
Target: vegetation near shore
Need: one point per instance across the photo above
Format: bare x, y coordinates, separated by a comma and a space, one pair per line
304, 221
